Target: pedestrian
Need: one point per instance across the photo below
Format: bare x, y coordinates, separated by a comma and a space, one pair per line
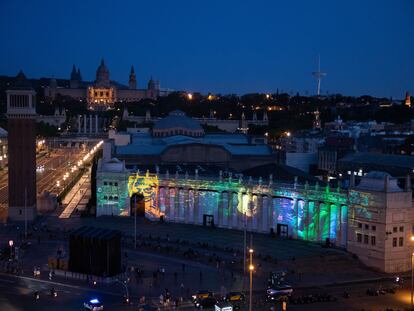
182, 289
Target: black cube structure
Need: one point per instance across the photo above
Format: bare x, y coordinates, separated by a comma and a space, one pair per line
95, 251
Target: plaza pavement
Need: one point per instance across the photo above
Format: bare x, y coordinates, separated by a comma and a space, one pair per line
310, 264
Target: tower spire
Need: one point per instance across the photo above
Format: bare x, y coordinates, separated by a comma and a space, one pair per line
319, 75
132, 79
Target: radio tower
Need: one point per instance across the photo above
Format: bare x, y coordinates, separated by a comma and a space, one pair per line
319, 75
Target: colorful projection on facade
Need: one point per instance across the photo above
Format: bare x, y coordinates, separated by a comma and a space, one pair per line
147, 186
310, 215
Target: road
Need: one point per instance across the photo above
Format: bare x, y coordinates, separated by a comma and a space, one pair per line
16, 293
54, 166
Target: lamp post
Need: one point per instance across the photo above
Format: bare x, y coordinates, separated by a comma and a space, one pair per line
412, 273
251, 268
412, 277
123, 283
11, 248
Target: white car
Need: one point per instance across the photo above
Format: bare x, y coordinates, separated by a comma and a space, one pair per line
93, 305
281, 289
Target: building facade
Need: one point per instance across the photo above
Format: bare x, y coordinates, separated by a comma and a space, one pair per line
373, 220
103, 93
381, 225
178, 139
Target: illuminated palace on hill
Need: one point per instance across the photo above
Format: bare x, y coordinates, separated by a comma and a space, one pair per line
372, 219
101, 94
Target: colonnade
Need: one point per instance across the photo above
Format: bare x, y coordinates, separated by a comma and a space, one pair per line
295, 216
85, 124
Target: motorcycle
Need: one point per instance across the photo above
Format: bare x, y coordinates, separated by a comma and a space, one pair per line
36, 295
53, 293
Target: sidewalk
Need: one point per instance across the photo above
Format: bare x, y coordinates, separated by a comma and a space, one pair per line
80, 193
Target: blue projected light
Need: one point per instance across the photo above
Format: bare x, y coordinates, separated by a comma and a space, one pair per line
94, 301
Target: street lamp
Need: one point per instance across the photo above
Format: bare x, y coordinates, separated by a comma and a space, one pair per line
251, 268
11, 248
412, 274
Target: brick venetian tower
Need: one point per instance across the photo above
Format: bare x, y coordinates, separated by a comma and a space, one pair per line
21, 114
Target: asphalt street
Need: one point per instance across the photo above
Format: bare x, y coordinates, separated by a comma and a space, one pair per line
16, 293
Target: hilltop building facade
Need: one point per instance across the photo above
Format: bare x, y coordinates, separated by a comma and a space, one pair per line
103, 93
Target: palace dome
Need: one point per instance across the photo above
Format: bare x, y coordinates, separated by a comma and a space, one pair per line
177, 123
102, 75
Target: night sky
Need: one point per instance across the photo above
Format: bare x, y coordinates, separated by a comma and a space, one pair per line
223, 46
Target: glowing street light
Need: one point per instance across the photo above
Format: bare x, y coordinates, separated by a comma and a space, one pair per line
189, 96
251, 268
412, 274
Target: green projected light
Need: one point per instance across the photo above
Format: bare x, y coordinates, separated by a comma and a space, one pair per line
307, 212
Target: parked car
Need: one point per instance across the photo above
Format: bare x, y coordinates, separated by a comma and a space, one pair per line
203, 303
201, 294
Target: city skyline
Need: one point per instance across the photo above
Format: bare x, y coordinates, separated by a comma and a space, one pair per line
364, 48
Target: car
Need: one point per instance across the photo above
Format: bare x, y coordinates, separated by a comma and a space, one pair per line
93, 305
201, 294
235, 297
281, 290
203, 303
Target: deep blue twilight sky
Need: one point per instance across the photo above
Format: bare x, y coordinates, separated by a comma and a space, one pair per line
225, 46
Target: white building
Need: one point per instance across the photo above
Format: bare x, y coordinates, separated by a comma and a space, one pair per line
380, 229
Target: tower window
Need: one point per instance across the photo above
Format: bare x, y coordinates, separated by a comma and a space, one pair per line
401, 241
394, 242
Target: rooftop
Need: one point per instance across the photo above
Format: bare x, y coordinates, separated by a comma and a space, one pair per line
236, 144
177, 119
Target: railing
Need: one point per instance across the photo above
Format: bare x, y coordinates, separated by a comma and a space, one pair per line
245, 184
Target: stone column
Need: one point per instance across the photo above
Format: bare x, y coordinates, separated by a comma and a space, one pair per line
84, 123
230, 208
306, 219
317, 218
296, 223
270, 213
167, 203
240, 212
96, 124
186, 206
220, 209
196, 207
90, 124
339, 226
259, 213
79, 124
329, 220
265, 214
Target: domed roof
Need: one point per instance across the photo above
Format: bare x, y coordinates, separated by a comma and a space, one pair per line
177, 119
102, 74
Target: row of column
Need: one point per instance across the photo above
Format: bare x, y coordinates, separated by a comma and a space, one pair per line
308, 220
85, 120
